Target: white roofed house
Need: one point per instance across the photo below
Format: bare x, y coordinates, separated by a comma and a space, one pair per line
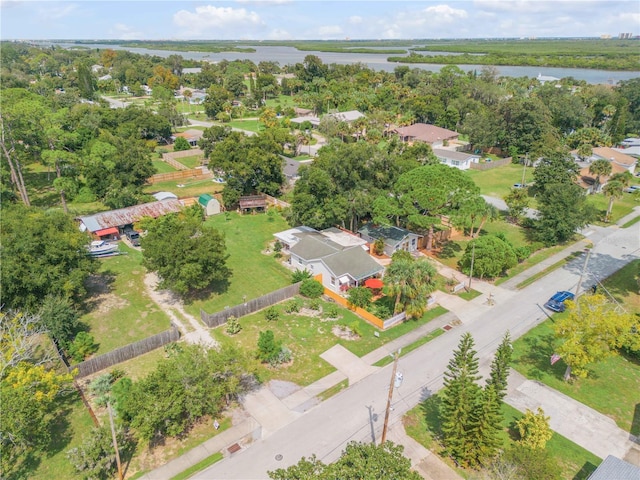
460, 160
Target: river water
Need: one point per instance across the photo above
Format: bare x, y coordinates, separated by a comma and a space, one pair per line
290, 55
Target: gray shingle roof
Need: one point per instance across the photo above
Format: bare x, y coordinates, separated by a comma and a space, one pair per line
612, 468
391, 235
353, 261
453, 155
313, 246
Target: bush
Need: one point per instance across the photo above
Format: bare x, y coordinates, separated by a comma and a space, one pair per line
101, 388
522, 253
300, 275
293, 306
314, 304
233, 326
355, 328
311, 288
268, 349
82, 346
284, 356
181, 144
380, 310
85, 195
272, 314
359, 297
331, 311
378, 246
95, 457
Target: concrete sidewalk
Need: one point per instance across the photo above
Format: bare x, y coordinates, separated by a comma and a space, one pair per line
582, 425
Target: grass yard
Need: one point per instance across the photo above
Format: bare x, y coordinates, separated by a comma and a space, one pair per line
422, 421
191, 187
119, 309
191, 162
282, 101
253, 125
531, 358
308, 337
621, 206
162, 167
254, 273
71, 425
497, 182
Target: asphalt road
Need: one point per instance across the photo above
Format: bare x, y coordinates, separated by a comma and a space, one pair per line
358, 412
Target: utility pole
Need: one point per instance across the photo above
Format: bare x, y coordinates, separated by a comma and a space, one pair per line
584, 268
473, 257
391, 384
115, 441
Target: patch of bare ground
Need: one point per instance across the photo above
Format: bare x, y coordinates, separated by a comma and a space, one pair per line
344, 332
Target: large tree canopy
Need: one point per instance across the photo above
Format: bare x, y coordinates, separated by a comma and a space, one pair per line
187, 255
43, 253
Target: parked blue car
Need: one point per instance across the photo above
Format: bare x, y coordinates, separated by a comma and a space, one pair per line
556, 303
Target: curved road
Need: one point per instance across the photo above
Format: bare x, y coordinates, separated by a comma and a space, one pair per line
356, 413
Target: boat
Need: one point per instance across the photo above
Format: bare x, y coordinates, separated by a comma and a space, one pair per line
100, 248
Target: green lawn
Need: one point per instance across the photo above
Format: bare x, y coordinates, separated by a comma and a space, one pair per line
422, 421
254, 273
497, 182
119, 310
308, 337
191, 162
71, 425
162, 167
283, 101
531, 358
191, 187
621, 206
251, 125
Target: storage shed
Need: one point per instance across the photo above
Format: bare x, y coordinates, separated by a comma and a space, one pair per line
210, 204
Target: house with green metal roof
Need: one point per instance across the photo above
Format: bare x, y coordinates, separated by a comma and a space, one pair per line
342, 265
395, 238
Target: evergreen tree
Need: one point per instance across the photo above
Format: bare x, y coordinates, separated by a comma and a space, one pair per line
460, 398
486, 425
500, 368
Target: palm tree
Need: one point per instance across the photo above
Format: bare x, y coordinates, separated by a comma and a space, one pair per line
410, 282
597, 168
615, 188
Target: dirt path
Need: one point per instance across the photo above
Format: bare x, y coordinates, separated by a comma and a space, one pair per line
192, 331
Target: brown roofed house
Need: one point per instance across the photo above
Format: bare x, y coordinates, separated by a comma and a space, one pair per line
423, 132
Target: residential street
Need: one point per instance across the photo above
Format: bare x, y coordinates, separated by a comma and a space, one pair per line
357, 413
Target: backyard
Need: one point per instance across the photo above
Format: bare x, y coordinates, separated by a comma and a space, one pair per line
119, 310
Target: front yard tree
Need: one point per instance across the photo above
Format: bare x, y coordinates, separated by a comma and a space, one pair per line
534, 429
615, 189
555, 169
599, 168
563, 209
359, 296
358, 461
187, 255
517, 201
593, 331
460, 399
499, 375
426, 193
181, 144
491, 257
410, 282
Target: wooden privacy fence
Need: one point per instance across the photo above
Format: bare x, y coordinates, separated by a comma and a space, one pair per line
125, 353
191, 173
490, 165
219, 318
172, 157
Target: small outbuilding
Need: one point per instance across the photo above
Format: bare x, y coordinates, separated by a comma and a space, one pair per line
210, 204
252, 203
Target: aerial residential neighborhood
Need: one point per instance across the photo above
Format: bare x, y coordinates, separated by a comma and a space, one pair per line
275, 248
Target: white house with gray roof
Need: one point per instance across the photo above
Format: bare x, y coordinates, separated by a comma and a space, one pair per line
460, 160
343, 265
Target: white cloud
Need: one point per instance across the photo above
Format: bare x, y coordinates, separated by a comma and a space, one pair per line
355, 20
279, 34
329, 30
265, 2
220, 18
444, 13
124, 32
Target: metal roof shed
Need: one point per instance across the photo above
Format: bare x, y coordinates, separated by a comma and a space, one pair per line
210, 204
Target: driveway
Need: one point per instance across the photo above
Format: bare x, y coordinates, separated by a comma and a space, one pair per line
502, 206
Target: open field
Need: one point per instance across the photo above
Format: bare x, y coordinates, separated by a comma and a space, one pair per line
162, 167
191, 187
497, 182
254, 273
252, 125
119, 310
422, 424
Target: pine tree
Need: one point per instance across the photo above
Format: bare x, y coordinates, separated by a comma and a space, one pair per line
460, 398
486, 425
500, 368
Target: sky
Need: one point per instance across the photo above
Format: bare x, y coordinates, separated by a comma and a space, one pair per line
307, 20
